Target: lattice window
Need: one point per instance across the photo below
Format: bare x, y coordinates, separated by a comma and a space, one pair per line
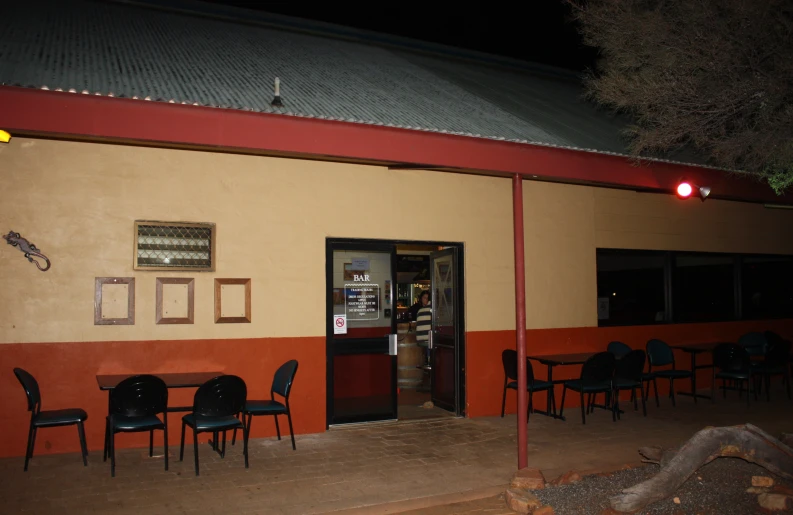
174, 246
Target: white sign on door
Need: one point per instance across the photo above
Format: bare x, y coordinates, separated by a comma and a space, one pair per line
339, 324
363, 301
360, 264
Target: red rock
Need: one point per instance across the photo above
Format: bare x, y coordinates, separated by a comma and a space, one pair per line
782, 489
774, 502
545, 510
528, 479
757, 490
521, 501
566, 479
762, 481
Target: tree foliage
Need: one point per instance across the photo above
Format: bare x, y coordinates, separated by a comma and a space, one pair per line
713, 74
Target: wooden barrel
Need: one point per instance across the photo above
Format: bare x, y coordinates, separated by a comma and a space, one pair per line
409, 356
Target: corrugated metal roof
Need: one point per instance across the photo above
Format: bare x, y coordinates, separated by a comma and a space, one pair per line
137, 52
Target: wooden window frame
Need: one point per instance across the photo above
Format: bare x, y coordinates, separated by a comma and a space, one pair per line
204, 225
219, 319
101, 281
190, 318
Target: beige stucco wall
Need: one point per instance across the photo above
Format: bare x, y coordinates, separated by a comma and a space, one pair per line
561, 287
77, 203
566, 224
627, 219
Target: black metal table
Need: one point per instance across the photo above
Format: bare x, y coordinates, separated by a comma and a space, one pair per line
554, 360
108, 382
172, 380
694, 349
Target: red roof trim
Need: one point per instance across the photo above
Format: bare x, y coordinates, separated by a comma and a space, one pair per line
79, 115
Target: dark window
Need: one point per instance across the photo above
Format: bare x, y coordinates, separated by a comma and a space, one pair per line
767, 287
630, 287
703, 287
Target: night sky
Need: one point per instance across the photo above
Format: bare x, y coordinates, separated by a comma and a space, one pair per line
542, 34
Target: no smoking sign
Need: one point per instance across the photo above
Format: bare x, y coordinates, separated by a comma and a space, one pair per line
339, 324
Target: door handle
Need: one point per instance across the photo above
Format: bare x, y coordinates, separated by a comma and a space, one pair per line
392, 345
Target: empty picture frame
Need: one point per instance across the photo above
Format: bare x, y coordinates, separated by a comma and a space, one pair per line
115, 300
244, 316
185, 300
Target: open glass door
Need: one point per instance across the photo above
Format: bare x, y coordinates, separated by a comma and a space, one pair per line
445, 336
361, 317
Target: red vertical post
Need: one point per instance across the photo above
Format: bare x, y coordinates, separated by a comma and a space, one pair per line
520, 316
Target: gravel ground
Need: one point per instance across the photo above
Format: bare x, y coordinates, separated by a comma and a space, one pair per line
718, 488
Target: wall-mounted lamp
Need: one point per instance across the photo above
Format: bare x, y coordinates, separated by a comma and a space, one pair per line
686, 188
4, 137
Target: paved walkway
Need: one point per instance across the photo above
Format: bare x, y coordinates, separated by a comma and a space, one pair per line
372, 468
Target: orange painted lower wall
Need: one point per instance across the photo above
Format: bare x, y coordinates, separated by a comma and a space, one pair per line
67, 377
485, 375
67, 373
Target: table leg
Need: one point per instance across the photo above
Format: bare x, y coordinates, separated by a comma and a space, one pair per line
107, 429
550, 410
694, 367
694, 376
551, 393
215, 444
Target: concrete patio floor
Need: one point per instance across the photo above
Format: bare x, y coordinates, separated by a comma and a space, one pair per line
433, 467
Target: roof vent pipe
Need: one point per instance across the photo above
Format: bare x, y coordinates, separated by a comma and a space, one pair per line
277, 99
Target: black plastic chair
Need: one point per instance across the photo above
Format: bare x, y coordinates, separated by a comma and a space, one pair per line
755, 343
733, 364
509, 358
134, 405
629, 375
282, 385
659, 354
775, 363
619, 349
50, 418
596, 377
215, 408
773, 338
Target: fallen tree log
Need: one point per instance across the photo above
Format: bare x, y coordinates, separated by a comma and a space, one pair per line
748, 442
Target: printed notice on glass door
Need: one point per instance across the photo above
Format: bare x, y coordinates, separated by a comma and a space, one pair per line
339, 324
363, 301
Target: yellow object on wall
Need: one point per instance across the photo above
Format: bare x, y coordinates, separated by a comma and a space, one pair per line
4, 137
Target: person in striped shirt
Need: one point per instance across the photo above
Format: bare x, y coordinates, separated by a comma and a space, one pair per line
423, 327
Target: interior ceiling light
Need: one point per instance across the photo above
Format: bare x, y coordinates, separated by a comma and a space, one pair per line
4, 137
686, 188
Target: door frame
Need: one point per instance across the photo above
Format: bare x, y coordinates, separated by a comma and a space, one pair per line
456, 308
330, 243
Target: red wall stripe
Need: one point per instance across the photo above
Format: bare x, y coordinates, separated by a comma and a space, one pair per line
78, 115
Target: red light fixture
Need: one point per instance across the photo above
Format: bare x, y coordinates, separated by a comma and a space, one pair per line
685, 189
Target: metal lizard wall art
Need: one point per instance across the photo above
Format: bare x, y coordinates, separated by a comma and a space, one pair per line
14, 239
